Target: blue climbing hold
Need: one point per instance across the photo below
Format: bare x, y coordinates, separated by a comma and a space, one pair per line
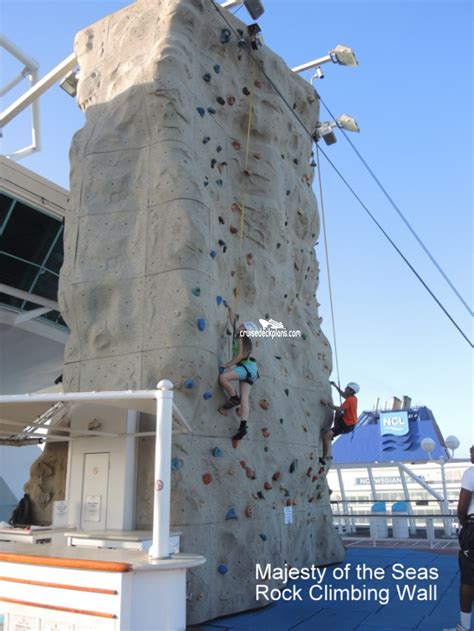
217, 68
176, 464
222, 569
231, 514
216, 452
263, 537
221, 369
207, 77
207, 395
201, 111
196, 291
189, 383
201, 324
219, 182
219, 299
213, 253
211, 110
218, 148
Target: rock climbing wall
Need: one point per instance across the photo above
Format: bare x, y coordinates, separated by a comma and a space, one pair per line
176, 208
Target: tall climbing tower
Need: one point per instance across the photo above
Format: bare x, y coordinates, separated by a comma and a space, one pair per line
191, 184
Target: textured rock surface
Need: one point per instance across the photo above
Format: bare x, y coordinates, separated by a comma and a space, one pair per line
156, 185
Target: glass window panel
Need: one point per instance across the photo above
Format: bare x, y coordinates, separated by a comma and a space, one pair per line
55, 259
16, 273
5, 203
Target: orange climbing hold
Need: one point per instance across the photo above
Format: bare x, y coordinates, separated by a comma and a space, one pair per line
264, 404
207, 478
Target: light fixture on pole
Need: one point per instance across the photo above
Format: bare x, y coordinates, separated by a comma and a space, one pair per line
428, 444
69, 83
325, 130
342, 55
254, 7
452, 443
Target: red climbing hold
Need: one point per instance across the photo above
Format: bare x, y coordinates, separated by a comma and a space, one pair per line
247, 172
250, 473
235, 443
257, 155
314, 478
276, 476
230, 100
267, 486
242, 464
207, 478
236, 144
264, 404
249, 258
321, 470
288, 502
309, 472
257, 83
233, 229
265, 432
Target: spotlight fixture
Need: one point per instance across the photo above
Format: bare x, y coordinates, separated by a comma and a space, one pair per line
255, 39
255, 8
69, 83
342, 55
325, 130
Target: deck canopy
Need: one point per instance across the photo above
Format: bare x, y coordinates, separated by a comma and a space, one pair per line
34, 418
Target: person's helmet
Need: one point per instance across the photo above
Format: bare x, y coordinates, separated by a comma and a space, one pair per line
353, 386
250, 326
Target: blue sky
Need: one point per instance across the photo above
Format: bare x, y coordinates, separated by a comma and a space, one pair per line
412, 98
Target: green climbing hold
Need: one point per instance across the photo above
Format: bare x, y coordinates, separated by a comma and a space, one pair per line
304, 336
211, 110
217, 68
196, 291
293, 466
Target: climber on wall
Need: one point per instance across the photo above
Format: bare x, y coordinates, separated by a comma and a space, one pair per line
242, 368
345, 417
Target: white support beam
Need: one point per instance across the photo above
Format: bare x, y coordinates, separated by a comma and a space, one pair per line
312, 64
228, 4
31, 315
38, 89
25, 295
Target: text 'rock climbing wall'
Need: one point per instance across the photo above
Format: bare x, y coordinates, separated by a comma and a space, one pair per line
159, 175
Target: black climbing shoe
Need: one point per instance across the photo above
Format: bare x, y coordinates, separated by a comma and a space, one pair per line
231, 403
322, 462
242, 431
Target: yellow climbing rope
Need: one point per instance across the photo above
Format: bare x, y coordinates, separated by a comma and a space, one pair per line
326, 249
242, 191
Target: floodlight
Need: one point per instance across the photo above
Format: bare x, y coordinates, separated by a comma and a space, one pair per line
343, 55
255, 8
325, 130
69, 83
452, 442
347, 122
428, 444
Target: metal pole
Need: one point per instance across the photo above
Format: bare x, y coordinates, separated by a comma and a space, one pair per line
372, 483
312, 64
162, 482
406, 492
447, 522
344, 498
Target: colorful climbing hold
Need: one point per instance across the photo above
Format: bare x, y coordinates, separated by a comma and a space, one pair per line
207, 395
257, 83
247, 172
211, 110
246, 91
293, 465
304, 336
201, 324
216, 68
264, 404
222, 569
216, 452
233, 229
242, 464
189, 383
219, 182
265, 432
225, 35
205, 140
176, 464
206, 77
230, 100
219, 299
231, 514
207, 478
260, 495
281, 421
276, 476
213, 163
221, 221
218, 148
196, 291
250, 473
309, 472
314, 478
236, 144
213, 254
201, 111
220, 166
248, 511
287, 392
257, 155
249, 258
321, 470
265, 448
267, 486
262, 536
295, 161
220, 100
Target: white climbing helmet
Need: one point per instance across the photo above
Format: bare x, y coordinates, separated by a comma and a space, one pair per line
250, 326
353, 386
